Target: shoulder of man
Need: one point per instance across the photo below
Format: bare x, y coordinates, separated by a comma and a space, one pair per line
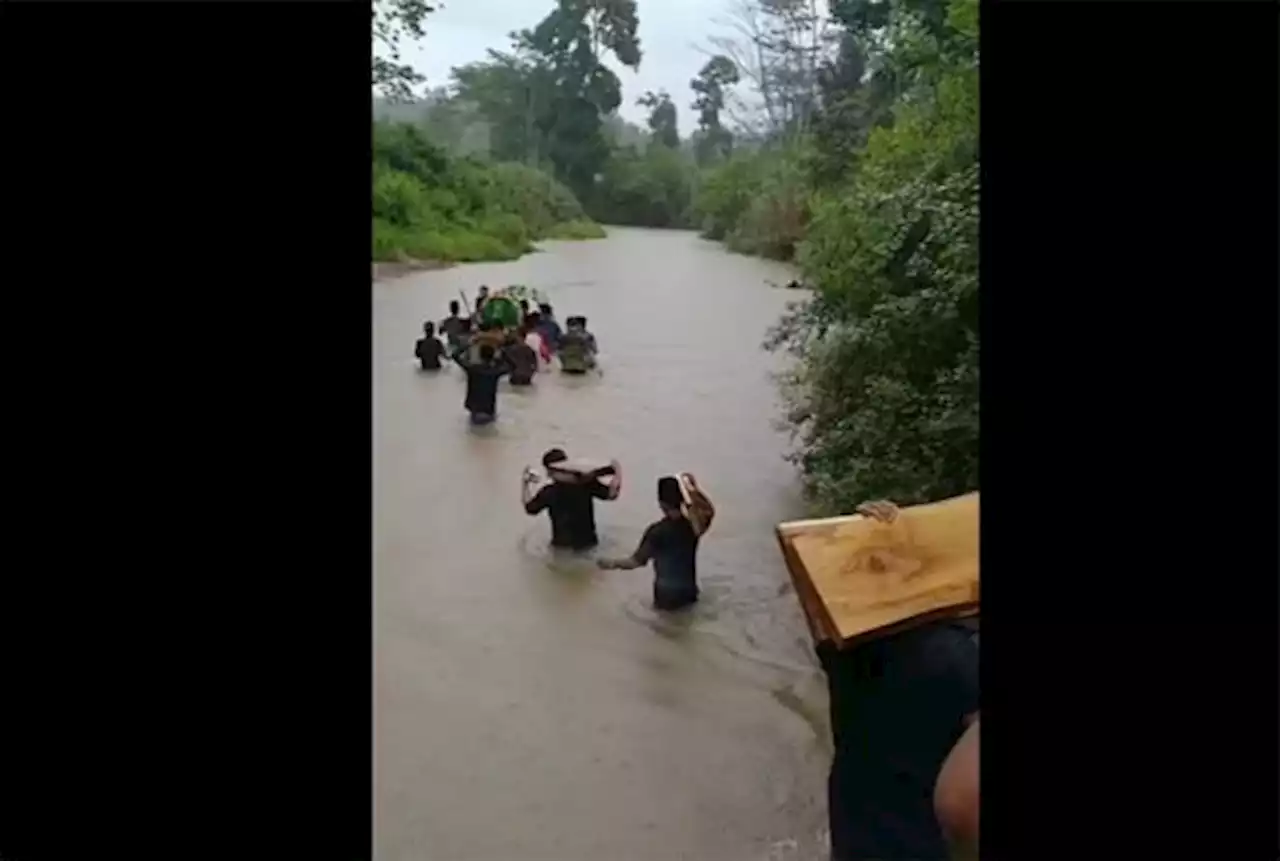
658, 530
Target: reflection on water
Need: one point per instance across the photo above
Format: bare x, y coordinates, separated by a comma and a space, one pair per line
529, 705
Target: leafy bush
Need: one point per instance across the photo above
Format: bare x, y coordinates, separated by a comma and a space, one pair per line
884, 397
431, 207
756, 203
653, 188
725, 192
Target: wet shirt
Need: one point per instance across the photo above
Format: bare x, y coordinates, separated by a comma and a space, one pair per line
577, 350
549, 331
452, 328
672, 545
898, 706
572, 510
482, 385
429, 351
524, 361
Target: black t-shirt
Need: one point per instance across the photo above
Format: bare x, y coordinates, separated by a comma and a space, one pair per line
482, 388
572, 509
523, 361
429, 351
898, 706
451, 328
482, 383
672, 544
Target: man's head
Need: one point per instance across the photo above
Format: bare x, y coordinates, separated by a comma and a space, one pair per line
545, 308
486, 352
553, 457
484, 292
453, 308
429, 329
576, 322
524, 306
669, 496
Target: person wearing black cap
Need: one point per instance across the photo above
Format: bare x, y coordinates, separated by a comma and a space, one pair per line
672, 544
569, 498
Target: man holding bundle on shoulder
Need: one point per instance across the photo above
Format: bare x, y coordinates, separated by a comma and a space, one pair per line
569, 496
672, 542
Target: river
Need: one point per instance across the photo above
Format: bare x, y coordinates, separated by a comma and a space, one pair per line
532, 707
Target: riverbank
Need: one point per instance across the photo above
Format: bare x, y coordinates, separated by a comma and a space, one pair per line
397, 262
428, 205
389, 270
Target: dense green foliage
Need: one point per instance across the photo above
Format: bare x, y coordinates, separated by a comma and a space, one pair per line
430, 206
756, 202
885, 393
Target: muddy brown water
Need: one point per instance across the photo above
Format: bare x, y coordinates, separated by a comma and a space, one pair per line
529, 706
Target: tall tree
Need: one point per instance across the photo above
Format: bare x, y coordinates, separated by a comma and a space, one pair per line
573, 40
662, 118
713, 141
392, 21
778, 47
512, 91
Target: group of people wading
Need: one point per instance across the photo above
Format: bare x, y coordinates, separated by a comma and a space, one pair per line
904, 707
504, 337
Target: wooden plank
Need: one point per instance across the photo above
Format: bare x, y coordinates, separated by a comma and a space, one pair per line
858, 578
809, 601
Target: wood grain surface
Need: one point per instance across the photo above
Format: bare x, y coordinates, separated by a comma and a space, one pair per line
857, 577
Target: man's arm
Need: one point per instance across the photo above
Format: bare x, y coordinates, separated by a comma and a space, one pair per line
608, 491
956, 796
535, 502
639, 559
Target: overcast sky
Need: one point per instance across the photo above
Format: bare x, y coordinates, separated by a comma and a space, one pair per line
669, 30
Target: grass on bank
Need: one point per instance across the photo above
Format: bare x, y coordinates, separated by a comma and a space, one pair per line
577, 229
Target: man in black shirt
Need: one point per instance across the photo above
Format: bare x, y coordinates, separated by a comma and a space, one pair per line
522, 358
569, 499
453, 327
672, 544
482, 383
429, 349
